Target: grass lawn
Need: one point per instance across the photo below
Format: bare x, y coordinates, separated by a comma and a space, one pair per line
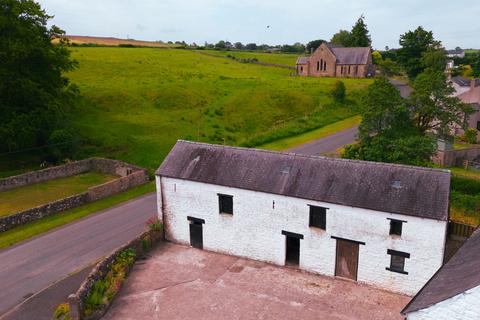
288, 143
35, 228
138, 101
31, 196
465, 196
287, 59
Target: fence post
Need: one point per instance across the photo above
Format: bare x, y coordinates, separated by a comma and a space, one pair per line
74, 307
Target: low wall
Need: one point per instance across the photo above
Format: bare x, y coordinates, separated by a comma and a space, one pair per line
15, 220
75, 300
131, 176
66, 170
452, 158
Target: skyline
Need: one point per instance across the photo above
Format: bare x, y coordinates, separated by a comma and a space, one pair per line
302, 21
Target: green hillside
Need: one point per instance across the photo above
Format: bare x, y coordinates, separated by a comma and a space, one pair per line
136, 102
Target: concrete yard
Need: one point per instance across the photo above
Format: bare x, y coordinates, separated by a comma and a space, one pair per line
178, 282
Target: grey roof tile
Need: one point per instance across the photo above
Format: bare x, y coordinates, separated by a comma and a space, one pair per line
423, 192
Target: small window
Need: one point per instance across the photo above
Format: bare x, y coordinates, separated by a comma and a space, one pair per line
324, 66
301, 69
318, 65
478, 125
397, 261
318, 217
396, 227
225, 203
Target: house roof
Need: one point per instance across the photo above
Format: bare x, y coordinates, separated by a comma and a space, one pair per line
458, 275
471, 96
465, 82
455, 51
303, 60
404, 89
351, 55
407, 190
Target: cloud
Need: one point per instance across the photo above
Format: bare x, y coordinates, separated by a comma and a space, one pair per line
246, 20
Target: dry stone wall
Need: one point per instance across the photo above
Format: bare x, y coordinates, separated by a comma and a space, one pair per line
130, 176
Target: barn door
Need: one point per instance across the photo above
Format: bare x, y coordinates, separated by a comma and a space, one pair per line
196, 232
347, 259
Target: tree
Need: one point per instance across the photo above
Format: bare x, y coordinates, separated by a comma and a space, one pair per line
251, 46
341, 38
34, 93
313, 45
433, 106
387, 132
434, 59
238, 45
338, 92
359, 36
221, 45
414, 44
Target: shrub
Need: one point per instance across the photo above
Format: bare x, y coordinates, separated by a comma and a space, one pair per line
62, 312
470, 136
338, 92
103, 290
154, 224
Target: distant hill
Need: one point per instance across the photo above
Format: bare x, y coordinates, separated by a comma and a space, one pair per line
110, 41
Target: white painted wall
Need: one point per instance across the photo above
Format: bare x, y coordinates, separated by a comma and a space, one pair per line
465, 306
254, 231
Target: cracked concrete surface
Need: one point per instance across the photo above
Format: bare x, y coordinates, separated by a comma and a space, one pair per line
178, 282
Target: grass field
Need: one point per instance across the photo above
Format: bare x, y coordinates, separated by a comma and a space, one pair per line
138, 102
465, 196
35, 228
287, 59
31, 196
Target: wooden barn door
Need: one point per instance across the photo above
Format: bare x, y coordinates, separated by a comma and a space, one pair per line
347, 259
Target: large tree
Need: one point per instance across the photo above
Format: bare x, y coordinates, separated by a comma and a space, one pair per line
359, 36
34, 93
313, 45
387, 132
414, 45
433, 106
341, 38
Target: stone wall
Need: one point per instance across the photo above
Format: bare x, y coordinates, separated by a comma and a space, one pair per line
101, 269
12, 221
130, 176
66, 170
452, 158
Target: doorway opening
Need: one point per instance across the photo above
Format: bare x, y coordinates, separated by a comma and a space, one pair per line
196, 232
292, 248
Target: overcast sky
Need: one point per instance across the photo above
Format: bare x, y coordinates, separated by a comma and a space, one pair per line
455, 23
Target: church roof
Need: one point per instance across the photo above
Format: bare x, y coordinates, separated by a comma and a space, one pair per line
401, 189
303, 60
351, 55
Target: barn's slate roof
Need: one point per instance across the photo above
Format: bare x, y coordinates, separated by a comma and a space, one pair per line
458, 275
413, 191
303, 60
465, 82
351, 55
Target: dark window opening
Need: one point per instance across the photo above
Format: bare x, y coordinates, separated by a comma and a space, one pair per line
348, 69
225, 203
396, 227
318, 65
397, 261
478, 125
324, 66
318, 217
301, 69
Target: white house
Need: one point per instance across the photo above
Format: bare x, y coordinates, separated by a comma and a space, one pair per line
453, 293
380, 224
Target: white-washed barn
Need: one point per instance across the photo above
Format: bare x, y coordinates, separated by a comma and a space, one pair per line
380, 224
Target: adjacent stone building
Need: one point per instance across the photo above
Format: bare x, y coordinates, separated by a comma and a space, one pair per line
334, 61
453, 293
381, 224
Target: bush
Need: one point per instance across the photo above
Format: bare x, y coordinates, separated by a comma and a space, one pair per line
154, 224
103, 290
61, 145
338, 92
62, 312
470, 136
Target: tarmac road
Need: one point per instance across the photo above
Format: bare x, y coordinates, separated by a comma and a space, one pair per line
31, 266
327, 144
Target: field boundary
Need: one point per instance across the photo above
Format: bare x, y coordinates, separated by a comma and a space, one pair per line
130, 176
252, 61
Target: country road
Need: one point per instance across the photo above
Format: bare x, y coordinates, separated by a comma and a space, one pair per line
33, 265
327, 144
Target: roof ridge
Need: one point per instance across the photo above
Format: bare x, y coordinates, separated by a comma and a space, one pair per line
320, 157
